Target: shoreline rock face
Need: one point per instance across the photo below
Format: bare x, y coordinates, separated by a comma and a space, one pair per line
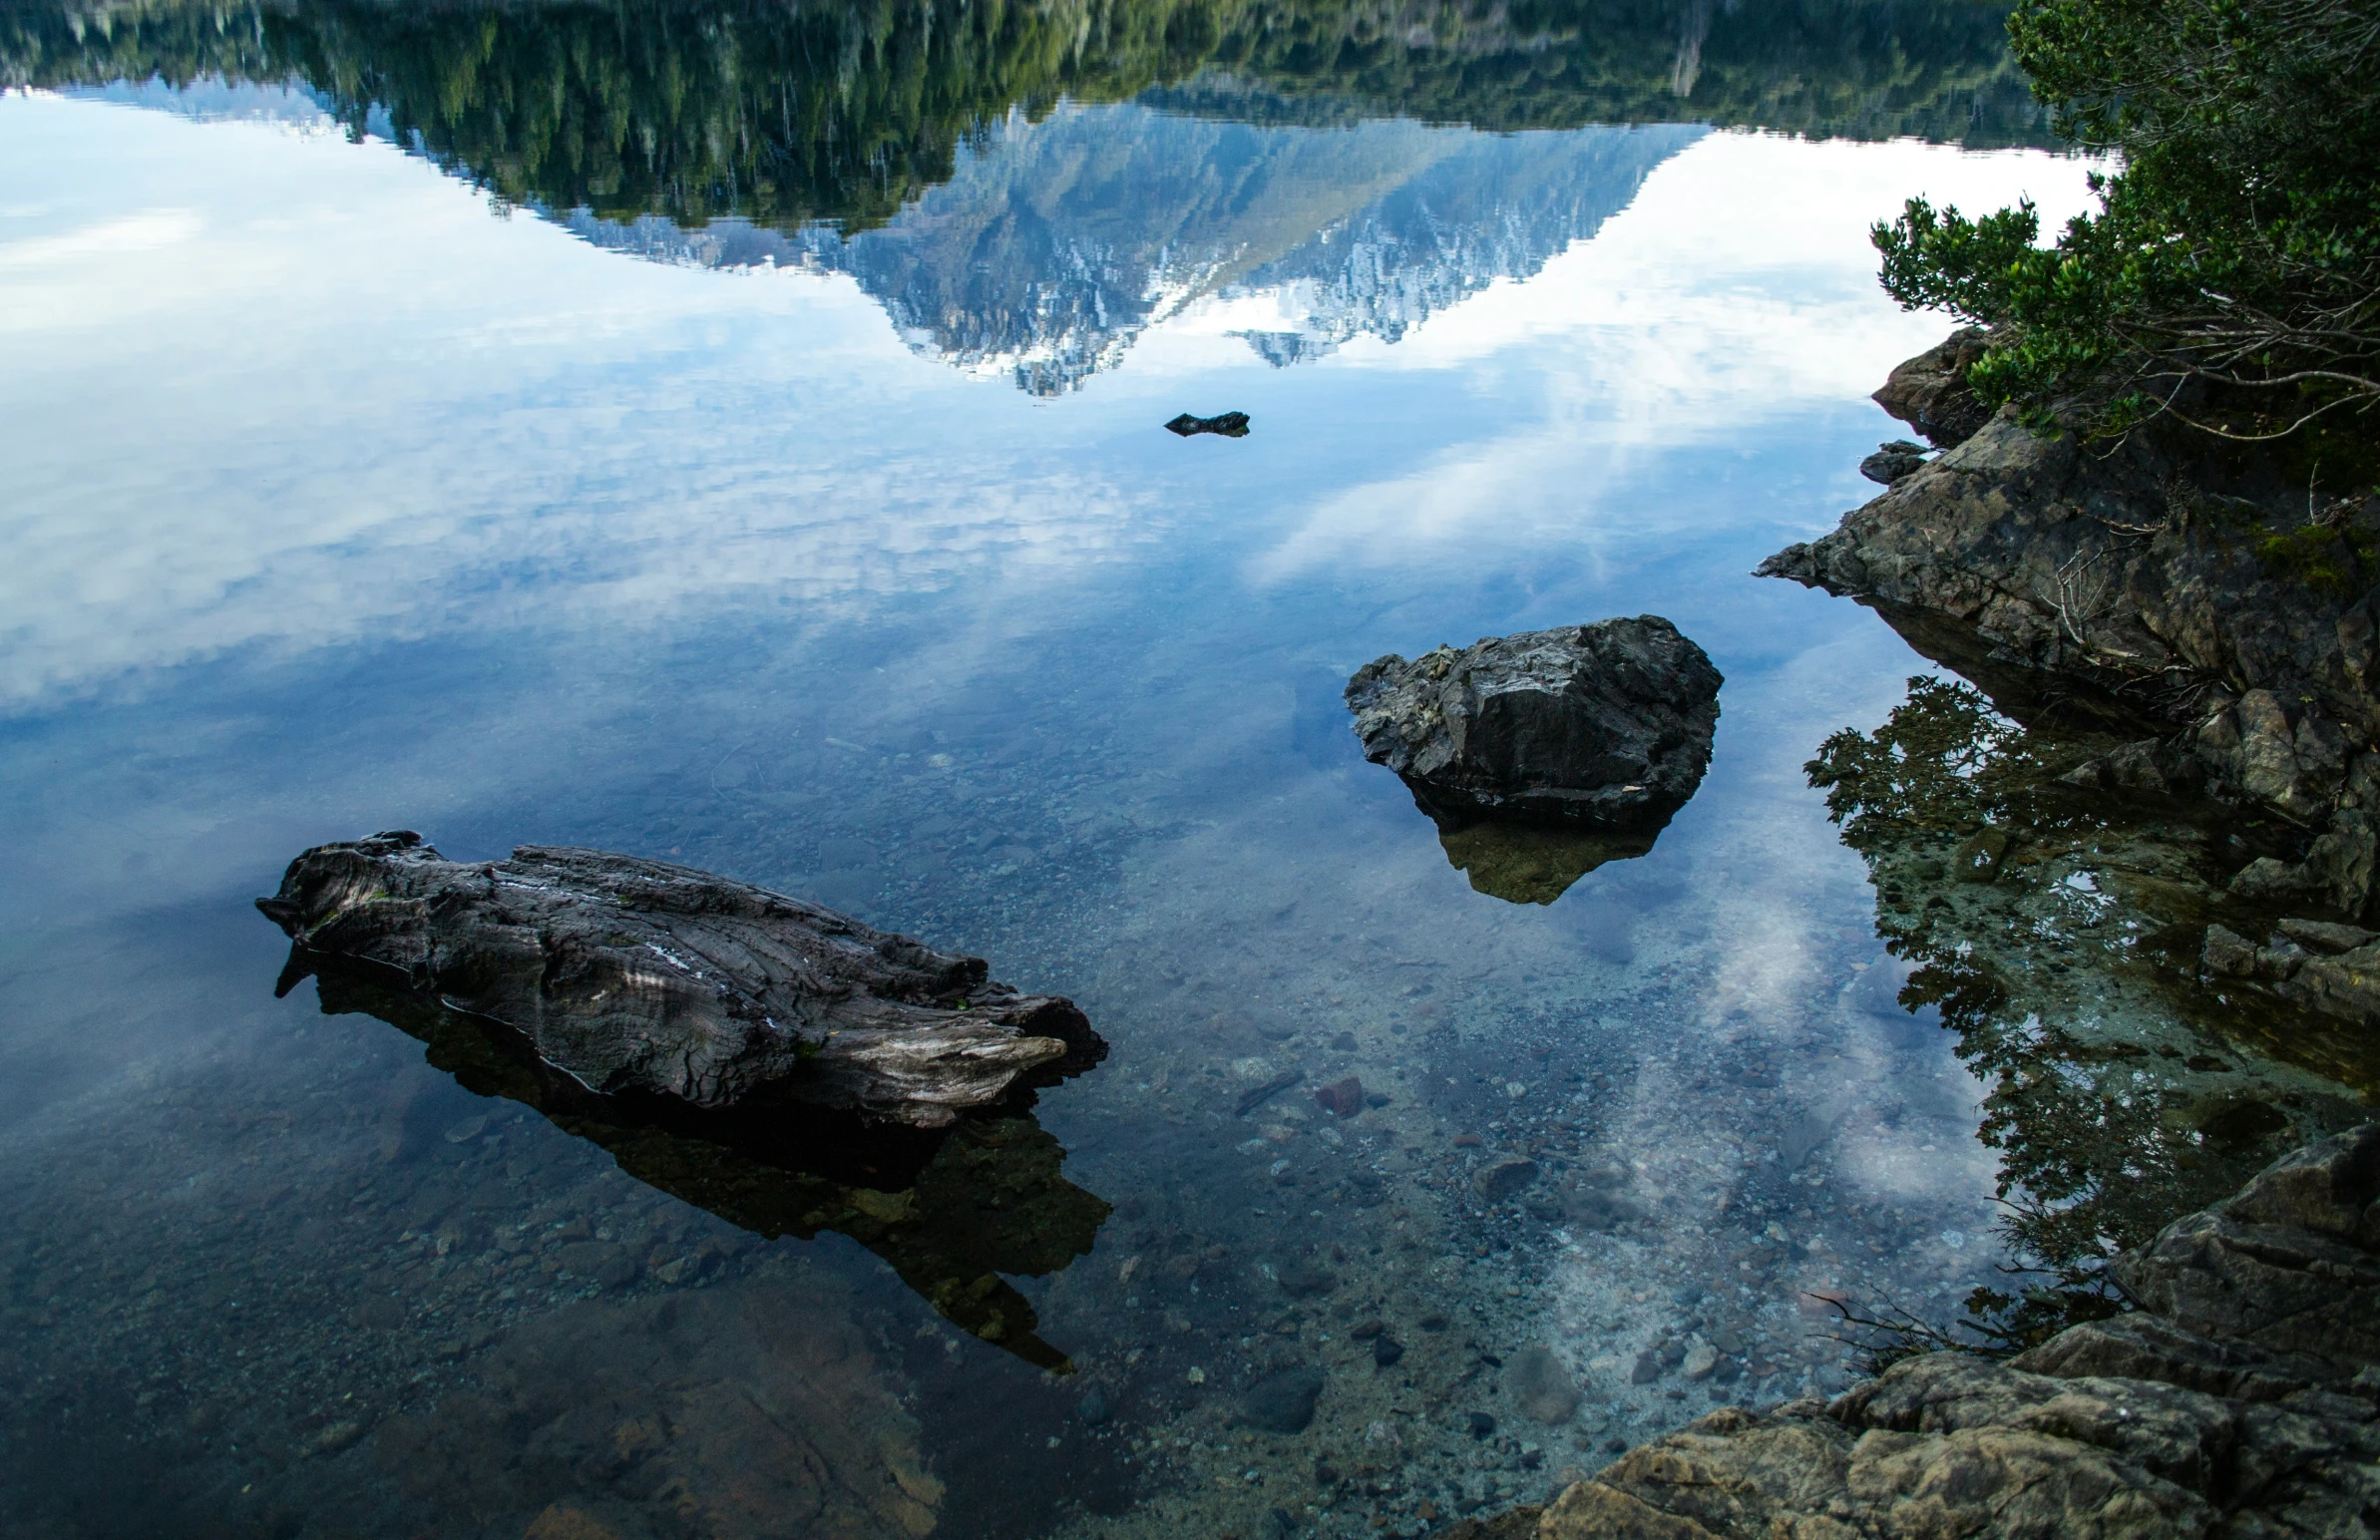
2243, 1400
1604, 726
637, 978
2223, 623
2227, 621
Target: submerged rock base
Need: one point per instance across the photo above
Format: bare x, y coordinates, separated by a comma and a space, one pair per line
2243, 1400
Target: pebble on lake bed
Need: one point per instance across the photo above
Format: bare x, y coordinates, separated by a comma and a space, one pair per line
1542, 1387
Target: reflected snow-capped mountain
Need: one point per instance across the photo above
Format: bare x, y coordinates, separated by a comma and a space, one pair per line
1058, 244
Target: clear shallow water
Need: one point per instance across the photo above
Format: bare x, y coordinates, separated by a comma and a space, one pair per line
340, 502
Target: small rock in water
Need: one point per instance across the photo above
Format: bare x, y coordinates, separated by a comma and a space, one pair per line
1092, 1408
1542, 1387
1342, 1098
1365, 1330
1282, 1402
1385, 1349
1893, 461
1700, 1360
1231, 425
1647, 1370
1302, 1277
1501, 1178
1480, 1425
465, 1131
337, 1436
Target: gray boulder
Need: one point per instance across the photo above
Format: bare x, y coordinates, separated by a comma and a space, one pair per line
1604, 726
636, 979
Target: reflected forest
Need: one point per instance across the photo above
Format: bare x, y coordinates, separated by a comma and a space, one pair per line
790, 114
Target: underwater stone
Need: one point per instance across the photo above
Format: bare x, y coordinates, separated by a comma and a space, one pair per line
1500, 1179
1604, 726
1302, 1279
1542, 1387
1282, 1402
1342, 1098
1385, 1350
641, 978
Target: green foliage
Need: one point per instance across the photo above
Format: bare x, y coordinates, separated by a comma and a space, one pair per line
2230, 275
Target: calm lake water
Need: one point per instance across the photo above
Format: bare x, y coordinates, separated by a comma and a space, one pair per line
433, 421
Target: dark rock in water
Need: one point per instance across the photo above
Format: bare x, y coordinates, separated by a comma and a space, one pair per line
955, 1210
1503, 1177
1535, 863
1303, 1277
1282, 1402
639, 979
1385, 1350
2331, 968
1893, 461
1092, 1410
1542, 1387
2245, 1399
1231, 425
1482, 1424
1342, 1098
1602, 726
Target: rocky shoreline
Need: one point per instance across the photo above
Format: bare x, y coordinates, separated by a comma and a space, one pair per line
2210, 631
2243, 1397
2213, 618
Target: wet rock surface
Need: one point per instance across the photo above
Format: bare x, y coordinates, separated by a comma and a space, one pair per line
1893, 461
2244, 1401
2218, 619
1602, 726
636, 979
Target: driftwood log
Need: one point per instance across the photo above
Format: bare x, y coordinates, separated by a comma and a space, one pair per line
639, 979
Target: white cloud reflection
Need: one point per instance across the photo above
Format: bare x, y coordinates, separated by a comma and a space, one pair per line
271, 390
1739, 287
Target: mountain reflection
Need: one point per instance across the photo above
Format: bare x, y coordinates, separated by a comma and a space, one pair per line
1045, 256
950, 1210
1277, 157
